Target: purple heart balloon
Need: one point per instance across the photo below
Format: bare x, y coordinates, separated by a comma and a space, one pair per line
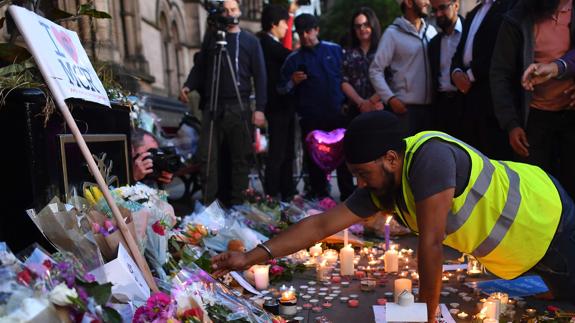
326, 148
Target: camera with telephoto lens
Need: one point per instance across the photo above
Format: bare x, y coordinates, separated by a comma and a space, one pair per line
165, 159
216, 18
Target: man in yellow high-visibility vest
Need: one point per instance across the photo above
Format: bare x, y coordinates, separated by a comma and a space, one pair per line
513, 217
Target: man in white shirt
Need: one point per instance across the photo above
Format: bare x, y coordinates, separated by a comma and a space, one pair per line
470, 74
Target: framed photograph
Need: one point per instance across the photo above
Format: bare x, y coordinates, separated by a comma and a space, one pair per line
110, 151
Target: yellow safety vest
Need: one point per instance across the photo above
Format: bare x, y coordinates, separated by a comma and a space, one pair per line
506, 217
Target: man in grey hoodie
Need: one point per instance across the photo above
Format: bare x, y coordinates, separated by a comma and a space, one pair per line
400, 71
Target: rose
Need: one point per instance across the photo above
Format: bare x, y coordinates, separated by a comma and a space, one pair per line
61, 295
159, 228
276, 270
193, 314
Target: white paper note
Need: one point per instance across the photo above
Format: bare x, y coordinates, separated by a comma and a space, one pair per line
417, 312
244, 283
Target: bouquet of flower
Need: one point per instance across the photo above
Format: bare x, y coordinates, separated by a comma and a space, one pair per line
61, 291
67, 228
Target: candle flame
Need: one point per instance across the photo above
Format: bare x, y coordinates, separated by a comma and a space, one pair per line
388, 220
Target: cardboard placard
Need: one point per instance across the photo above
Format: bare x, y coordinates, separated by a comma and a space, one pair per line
123, 273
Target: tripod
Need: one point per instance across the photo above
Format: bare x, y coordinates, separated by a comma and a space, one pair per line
220, 54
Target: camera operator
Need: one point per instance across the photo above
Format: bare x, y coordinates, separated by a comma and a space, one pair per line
144, 144
229, 125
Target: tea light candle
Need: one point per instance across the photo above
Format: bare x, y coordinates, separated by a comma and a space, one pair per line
353, 303
336, 279
307, 306
353, 296
316, 250
462, 315
326, 305
261, 276
503, 297
368, 284
399, 285
344, 284
381, 301
330, 256
359, 274
445, 279
344, 299
391, 260
316, 309
346, 260
531, 312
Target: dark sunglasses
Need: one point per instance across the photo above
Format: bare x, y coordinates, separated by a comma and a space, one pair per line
441, 7
361, 26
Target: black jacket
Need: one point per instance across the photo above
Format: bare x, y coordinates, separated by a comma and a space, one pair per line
484, 42
275, 55
434, 54
513, 54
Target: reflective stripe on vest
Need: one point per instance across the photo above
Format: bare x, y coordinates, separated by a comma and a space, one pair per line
506, 216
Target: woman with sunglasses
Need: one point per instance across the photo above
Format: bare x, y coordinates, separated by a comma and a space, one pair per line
365, 32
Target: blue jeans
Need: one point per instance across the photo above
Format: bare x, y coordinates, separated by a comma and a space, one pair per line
557, 267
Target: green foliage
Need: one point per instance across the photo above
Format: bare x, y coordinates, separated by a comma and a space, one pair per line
335, 23
89, 10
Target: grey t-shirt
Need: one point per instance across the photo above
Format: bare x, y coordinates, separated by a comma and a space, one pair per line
436, 166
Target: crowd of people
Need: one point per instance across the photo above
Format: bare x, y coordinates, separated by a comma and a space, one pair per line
500, 79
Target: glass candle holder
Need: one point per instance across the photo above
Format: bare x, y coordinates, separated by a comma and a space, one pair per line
474, 267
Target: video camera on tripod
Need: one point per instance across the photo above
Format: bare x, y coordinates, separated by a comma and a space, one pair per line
216, 18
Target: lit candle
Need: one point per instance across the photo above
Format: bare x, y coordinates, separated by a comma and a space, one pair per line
391, 261
345, 237
316, 250
288, 303
462, 315
331, 256
346, 256
389, 217
490, 308
262, 276
353, 303
504, 298
399, 285
321, 271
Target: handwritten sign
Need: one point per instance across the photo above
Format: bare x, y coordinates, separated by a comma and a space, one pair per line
123, 273
60, 51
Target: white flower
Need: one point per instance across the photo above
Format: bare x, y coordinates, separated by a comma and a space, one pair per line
61, 295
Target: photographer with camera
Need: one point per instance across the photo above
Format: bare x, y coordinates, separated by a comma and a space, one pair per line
225, 120
152, 165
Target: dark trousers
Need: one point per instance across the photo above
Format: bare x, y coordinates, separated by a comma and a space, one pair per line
557, 267
551, 137
317, 177
419, 117
228, 129
279, 166
480, 128
447, 112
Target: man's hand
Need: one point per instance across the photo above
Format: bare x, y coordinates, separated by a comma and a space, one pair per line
571, 92
166, 177
259, 119
461, 81
229, 261
297, 77
184, 92
397, 106
143, 166
538, 73
518, 141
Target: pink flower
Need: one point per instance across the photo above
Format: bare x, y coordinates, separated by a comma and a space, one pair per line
159, 228
327, 203
276, 270
273, 262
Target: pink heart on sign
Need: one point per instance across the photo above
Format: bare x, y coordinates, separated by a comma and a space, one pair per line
66, 42
326, 148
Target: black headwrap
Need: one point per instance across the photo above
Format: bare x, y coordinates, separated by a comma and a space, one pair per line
370, 135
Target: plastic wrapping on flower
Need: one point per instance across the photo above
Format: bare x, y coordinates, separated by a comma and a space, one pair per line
227, 227
60, 224
219, 303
